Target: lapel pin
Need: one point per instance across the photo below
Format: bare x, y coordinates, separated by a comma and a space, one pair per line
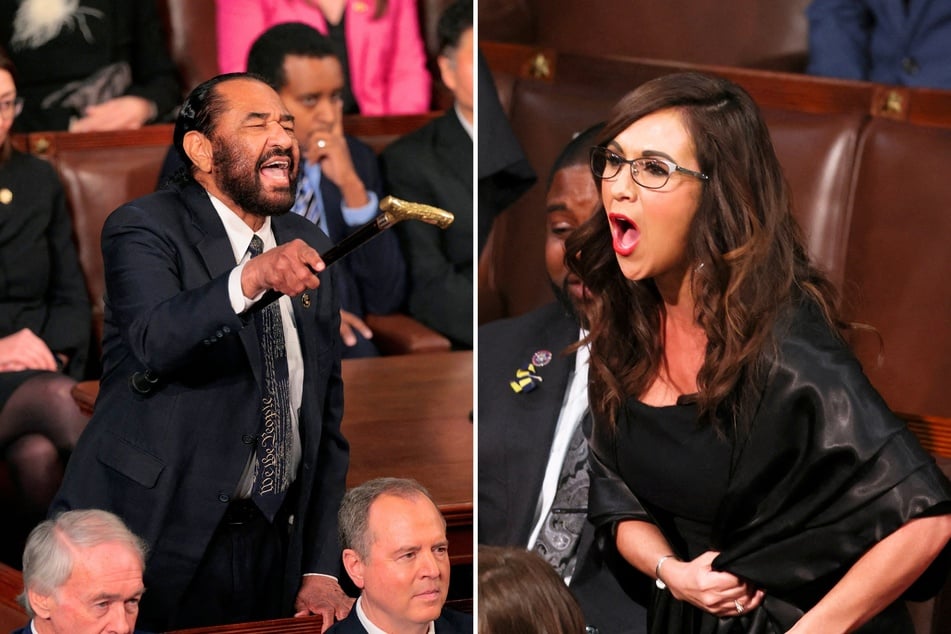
541, 358
526, 380
305, 300
6, 196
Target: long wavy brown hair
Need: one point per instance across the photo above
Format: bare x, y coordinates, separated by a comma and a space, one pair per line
754, 262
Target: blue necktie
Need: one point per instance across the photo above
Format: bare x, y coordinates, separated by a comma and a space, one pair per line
272, 476
307, 203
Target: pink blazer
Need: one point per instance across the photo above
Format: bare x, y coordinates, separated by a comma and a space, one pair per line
387, 60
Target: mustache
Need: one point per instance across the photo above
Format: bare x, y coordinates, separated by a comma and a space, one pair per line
278, 152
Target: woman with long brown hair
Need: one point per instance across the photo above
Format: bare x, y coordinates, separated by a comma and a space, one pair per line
739, 457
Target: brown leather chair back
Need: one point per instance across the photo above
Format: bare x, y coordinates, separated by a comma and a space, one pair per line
750, 33
898, 263
192, 39
817, 154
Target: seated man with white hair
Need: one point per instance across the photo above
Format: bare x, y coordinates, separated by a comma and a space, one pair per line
82, 573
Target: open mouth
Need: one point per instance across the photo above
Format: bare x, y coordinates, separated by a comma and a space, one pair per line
624, 233
277, 169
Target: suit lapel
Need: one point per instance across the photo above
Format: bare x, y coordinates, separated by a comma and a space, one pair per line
536, 417
213, 246
449, 137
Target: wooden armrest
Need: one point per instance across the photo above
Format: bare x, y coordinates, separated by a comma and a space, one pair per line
12, 615
934, 432
85, 393
305, 624
401, 334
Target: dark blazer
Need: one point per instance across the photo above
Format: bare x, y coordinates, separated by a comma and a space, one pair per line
905, 43
376, 275
168, 461
433, 165
449, 622
515, 435
41, 283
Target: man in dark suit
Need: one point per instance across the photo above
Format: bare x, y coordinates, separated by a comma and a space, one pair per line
532, 401
216, 435
82, 574
396, 552
342, 172
433, 165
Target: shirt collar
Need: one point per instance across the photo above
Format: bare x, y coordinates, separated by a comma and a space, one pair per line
373, 629
468, 127
239, 233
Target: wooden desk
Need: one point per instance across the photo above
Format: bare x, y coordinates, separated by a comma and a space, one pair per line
409, 416
405, 416
12, 615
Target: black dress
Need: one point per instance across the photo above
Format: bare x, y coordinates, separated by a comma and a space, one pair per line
823, 473
41, 283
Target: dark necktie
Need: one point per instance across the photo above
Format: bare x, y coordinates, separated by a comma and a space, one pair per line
271, 473
557, 540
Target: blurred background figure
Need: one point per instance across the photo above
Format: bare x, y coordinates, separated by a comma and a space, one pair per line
378, 43
533, 480
905, 42
44, 324
504, 171
340, 184
82, 574
433, 165
89, 65
519, 593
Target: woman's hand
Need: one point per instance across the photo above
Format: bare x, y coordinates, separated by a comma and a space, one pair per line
719, 593
23, 350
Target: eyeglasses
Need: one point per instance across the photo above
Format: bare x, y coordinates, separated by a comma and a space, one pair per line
11, 108
651, 172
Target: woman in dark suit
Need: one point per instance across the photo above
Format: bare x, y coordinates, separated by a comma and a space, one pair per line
44, 315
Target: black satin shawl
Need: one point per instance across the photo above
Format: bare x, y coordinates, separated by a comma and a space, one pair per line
824, 472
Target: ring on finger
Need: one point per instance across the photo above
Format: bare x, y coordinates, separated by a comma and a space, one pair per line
739, 606
321, 143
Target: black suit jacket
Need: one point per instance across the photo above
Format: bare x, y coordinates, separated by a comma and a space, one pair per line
168, 461
516, 431
433, 165
41, 283
449, 622
375, 276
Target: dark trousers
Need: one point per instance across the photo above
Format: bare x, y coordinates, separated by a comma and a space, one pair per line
241, 576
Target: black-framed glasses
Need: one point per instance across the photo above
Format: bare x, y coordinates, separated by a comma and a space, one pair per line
651, 172
11, 108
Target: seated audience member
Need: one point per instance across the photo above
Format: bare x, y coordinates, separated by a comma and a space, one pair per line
519, 593
377, 42
433, 165
396, 552
532, 446
89, 65
906, 43
340, 184
44, 319
82, 574
340, 180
